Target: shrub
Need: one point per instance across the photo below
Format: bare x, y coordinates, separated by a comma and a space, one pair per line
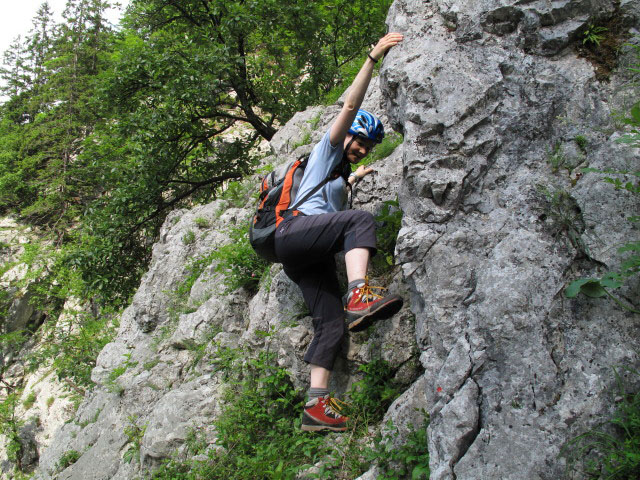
241, 266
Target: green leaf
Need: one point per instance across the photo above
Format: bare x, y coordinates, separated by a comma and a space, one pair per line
420, 472
611, 280
635, 113
587, 286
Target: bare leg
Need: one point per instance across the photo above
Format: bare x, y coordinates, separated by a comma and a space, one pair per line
357, 260
319, 377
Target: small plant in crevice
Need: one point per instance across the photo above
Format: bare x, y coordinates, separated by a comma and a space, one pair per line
611, 450
388, 222
111, 383
582, 143
189, 238
134, 434
593, 34
305, 139
408, 460
29, 401
67, 459
558, 159
202, 222
239, 263
562, 213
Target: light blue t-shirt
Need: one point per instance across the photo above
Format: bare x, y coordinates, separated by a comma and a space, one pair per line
332, 197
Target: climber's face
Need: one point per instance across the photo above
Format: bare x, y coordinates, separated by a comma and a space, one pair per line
358, 149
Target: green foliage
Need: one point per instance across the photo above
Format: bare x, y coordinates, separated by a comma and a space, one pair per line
370, 397
389, 221
345, 78
72, 351
10, 425
390, 142
238, 261
50, 401
237, 194
28, 402
105, 132
630, 264
582, 142
202, 222
593, 34
189, 238
304, 140
368, 400
67, 459
409, 460
612, 450
556, 158
111, 383
564, 216
134, 435
258, 430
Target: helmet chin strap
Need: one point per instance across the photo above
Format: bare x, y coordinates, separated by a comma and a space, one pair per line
346, 149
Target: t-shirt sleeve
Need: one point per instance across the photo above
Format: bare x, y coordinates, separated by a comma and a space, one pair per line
323, 159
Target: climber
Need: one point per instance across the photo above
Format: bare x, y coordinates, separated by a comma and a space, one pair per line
306, 242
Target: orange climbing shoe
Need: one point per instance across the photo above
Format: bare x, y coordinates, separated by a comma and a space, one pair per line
364, 306
323, 413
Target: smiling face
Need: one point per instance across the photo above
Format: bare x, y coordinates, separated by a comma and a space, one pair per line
358, 149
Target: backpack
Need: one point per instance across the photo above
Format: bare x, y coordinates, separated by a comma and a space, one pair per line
278, 191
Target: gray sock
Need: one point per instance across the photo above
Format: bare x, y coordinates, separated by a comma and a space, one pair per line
356, 283
317, 392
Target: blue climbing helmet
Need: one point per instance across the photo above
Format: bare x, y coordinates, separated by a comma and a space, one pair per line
367, 125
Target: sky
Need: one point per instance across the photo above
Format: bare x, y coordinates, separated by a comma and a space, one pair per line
17, 15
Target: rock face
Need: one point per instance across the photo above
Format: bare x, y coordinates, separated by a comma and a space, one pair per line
498, 115
486, 94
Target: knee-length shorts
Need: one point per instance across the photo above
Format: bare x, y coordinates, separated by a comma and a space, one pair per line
306, 246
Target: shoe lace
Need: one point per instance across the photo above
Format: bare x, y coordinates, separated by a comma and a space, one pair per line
367, 292
335, 406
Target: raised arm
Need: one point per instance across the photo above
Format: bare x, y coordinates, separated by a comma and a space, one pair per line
358, 88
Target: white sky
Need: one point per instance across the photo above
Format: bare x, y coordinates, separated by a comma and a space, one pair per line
17, 16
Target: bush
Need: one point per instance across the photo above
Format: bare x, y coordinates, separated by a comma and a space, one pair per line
239, 263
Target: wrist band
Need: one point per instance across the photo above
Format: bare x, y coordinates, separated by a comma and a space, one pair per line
372, 59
